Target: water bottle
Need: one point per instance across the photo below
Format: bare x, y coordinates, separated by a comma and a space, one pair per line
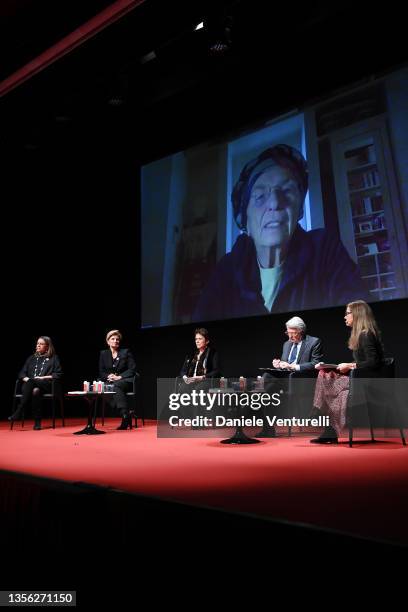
94, 386
259, 383
222, 382
86, 386
241, 383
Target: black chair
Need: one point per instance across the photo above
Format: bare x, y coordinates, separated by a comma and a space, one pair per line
56, 396
292, 401
134, 397
360, 394
137, 404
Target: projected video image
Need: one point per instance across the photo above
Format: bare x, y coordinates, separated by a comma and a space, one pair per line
308, 211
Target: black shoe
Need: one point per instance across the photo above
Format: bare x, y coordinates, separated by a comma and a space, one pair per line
328, 436
16, 416
324, 440
126, 423
37, 424
329, 432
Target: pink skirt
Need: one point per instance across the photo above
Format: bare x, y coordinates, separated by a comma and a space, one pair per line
331, 393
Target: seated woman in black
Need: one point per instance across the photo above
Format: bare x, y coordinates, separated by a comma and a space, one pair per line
117, 366
198, 369
204, 363
36, 376
332, 388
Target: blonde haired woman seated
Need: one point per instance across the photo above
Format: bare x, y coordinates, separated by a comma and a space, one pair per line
117, 366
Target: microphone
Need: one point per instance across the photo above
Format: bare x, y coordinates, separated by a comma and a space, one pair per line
185, 365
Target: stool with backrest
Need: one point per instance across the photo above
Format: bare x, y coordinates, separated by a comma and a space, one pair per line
134, 395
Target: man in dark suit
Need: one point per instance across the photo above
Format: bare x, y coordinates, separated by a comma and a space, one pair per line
300, 354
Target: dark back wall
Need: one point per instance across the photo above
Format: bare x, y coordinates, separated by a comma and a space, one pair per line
71, 266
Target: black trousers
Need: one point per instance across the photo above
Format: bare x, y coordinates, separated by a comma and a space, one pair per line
298, 392
277, 384
29, 395
119, 401
193, 411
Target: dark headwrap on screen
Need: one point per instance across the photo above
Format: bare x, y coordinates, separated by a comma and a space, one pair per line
281, 155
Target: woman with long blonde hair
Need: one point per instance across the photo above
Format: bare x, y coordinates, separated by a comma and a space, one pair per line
332, 387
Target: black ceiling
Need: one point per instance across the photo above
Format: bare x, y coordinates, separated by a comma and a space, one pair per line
29, 27
281, 55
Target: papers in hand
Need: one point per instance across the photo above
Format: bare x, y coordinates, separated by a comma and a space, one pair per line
327, 366
274, 370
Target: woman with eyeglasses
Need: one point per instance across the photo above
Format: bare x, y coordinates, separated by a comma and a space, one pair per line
275, 265
332, 387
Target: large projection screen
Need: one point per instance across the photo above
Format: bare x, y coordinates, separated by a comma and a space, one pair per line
308, 210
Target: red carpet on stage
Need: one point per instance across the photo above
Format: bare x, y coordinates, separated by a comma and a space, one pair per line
361, 490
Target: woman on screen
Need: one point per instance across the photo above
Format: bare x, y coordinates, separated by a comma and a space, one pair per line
332, 388
275, 265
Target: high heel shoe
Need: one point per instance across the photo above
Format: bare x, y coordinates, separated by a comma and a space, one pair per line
323, 440
126, 422
329, 436
16, 416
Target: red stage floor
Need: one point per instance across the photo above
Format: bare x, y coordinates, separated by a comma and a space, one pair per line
362, 490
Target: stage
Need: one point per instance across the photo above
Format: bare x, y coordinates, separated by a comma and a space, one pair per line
360, 491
